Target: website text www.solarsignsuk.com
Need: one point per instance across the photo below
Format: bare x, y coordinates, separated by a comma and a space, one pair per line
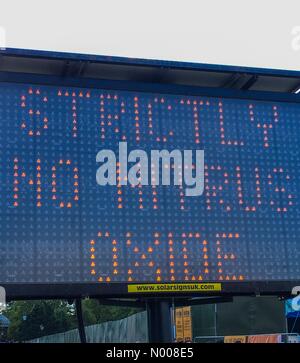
174, 287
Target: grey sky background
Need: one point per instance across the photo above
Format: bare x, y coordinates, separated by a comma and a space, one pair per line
256, 33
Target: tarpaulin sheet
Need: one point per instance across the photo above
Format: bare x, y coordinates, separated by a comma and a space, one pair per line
273, 338
243, 316
235, 339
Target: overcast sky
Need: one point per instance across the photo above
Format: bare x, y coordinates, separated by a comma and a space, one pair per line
254, 33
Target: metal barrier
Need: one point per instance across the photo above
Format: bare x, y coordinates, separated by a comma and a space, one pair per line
132, 329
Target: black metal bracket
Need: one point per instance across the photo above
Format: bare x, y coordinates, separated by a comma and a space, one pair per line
80, 321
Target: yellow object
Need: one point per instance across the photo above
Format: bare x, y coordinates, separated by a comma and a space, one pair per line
180, 287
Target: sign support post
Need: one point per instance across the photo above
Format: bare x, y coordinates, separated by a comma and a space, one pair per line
159, 321
80, 320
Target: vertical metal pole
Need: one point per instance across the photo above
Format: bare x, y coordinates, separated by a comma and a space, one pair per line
216, 317
80, 320
173, 320
159, 321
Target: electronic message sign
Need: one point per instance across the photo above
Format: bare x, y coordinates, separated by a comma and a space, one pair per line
58, 226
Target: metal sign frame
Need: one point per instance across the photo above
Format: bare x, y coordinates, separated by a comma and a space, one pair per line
140, 84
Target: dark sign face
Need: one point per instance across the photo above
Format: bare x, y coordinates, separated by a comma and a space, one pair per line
57, 225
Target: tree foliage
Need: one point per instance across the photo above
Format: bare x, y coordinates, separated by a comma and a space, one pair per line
34, 319
94, 313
